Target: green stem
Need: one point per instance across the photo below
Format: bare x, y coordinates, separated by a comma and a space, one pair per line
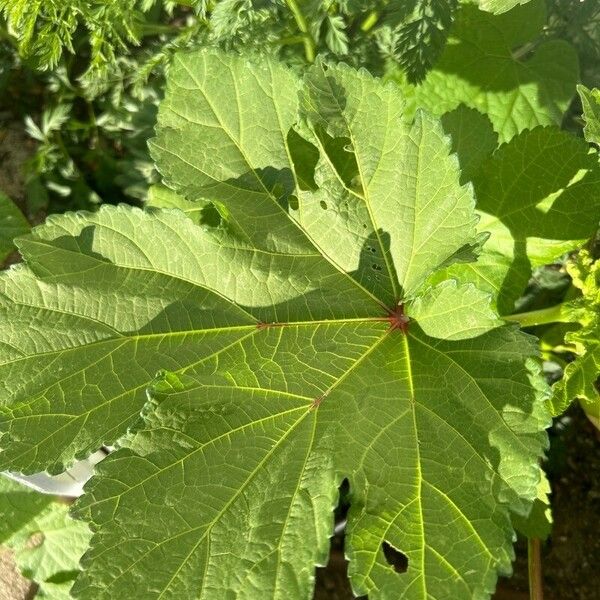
370, 21
309, 42
543, 316
534, 557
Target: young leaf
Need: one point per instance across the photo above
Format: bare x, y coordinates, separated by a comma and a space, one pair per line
524, 91
538, 198
590, 99
46, 541
580, 380
12, 224
292, 348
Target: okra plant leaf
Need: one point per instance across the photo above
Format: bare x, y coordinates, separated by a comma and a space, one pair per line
47, 542
299, 345
12, 224
490, 64
581, 376
537, 197
473, 139
160, 196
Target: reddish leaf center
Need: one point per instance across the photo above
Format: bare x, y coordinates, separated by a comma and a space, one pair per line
398, 320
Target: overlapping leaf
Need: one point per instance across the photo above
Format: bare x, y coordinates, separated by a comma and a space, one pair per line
300, 346
487, 65
537, 196
46, 541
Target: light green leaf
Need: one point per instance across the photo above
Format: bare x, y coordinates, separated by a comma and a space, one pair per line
160, 196
481, 69
12, 224
580, 377
538, 199
47, 542
499, 6
425, 214
454, 312
538, 524
292, 353
590, 99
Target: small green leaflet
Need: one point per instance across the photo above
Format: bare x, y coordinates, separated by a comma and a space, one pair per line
287, 362
581, 375
46, 541
537, 197
526, 90
590, 100
12, 224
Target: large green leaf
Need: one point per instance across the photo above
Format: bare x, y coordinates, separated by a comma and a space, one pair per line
537, 197
483, 68
12, 224
300, 345
46, 541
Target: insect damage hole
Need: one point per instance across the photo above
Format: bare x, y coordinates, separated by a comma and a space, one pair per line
396, 559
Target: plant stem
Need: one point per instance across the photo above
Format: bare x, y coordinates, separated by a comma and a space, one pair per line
543, 316
370, 21
309, 42
534, 556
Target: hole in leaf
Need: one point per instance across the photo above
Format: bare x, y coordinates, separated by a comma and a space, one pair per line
293, 203
210, 216
332, 579
323, 204
376, 267
396, 559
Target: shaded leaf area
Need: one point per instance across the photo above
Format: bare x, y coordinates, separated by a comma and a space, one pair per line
494, 64
299, 345
46, 541
12, 225
537, 196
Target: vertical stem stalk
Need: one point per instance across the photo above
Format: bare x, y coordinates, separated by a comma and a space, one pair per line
536, 590
309, 42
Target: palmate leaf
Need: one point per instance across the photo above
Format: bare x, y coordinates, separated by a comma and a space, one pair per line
288, 361
537, 197
488, 65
